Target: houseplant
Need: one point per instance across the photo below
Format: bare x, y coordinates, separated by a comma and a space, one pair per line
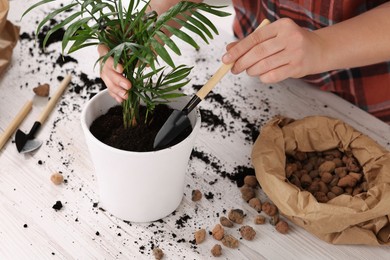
140, 189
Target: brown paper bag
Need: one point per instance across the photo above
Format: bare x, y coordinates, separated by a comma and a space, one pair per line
361, 219
9, 35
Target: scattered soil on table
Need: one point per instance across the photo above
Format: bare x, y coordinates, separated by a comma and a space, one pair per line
110, 130
58, 205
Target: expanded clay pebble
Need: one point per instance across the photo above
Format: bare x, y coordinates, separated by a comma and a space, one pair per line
255, 203
326, 174
282, 227
230, 241
225, 222
42, 90
247, 232
57, 178
327, 166
274, 219
216, 250
200, 236
218, 232
269, 208
251, 181
247, 192
158, 253
196, 195
236, 215
259, 220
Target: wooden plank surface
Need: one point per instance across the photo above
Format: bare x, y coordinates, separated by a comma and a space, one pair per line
232, 116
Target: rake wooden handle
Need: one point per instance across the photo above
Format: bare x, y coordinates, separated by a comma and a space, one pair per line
221, 72
15, 123
53, 100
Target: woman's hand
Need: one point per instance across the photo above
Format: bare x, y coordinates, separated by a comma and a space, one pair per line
276, 52
116, 83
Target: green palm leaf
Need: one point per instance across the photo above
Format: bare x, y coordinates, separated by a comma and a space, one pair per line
182, 35
191, 27
72, 29
36, 5
206, 21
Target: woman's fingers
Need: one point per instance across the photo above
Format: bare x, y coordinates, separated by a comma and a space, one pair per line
258, 53
276, 75
257, 37
115, 90
112, 76
269, 64
231, 45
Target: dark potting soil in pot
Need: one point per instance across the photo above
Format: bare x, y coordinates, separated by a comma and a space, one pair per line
109, 129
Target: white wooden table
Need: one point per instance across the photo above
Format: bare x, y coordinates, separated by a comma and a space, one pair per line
31, 229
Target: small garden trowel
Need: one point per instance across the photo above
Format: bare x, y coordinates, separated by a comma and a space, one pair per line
178, 120
25, 142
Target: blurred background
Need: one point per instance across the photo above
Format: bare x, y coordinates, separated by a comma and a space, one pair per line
223, 22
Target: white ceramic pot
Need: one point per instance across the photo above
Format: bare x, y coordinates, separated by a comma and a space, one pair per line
138, 186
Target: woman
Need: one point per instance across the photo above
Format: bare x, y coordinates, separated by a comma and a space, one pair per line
340, 46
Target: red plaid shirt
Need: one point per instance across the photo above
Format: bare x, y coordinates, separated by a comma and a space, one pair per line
368, 87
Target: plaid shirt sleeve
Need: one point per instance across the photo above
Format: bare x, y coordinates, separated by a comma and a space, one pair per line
367, 87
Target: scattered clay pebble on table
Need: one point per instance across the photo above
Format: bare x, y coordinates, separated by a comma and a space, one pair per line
42, 90
269, 208
255, 203
282, 227
218, 232
196, 195
247, 232
158, 253
225, 222
251, 181
274, 219
236, 215
57, 178
259, 220
230, 241
200, 236
247, 192
216, 250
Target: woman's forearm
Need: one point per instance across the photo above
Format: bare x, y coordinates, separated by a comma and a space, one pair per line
161, 6
359, 41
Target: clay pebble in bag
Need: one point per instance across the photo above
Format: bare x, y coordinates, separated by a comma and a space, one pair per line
9, 35
345, 219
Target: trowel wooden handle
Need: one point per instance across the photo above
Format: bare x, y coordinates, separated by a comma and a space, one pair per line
53, 100
221, 72
15, 123
263, 23
202, 93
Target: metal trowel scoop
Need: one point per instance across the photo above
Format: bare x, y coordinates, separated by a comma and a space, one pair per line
178, 120
25, 142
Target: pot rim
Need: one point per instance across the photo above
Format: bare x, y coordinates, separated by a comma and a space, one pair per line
120, 151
